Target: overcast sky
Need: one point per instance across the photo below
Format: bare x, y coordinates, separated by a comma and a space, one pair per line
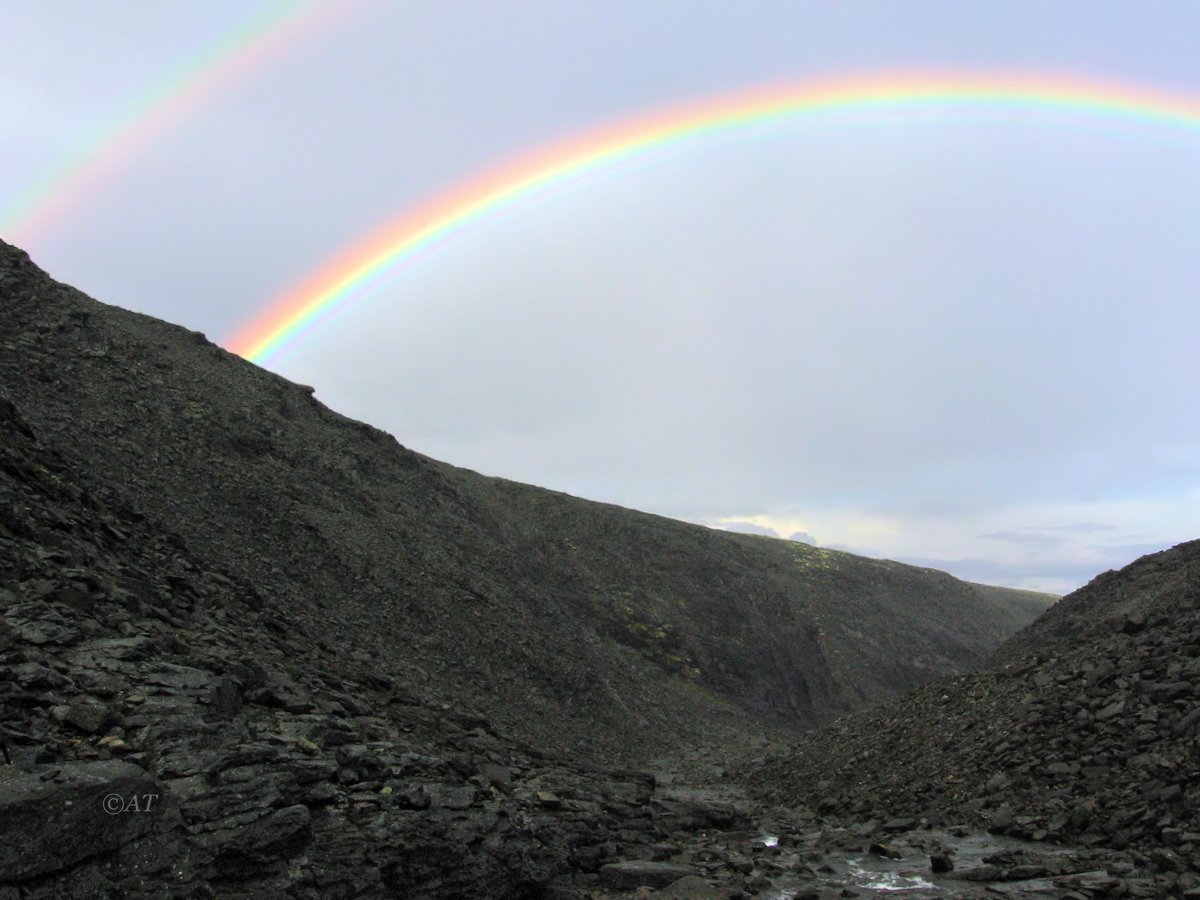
963, 341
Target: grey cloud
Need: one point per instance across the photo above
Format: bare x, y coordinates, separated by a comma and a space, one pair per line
1027, 536
1033, 570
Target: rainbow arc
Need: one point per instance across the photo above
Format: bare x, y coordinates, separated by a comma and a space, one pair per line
365, 263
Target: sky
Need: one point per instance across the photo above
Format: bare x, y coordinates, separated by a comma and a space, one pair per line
953, 338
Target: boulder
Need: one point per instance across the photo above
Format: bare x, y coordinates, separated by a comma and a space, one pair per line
633, 874
281, 834
940, 863
53, 816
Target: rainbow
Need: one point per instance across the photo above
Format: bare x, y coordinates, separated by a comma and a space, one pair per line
364, 264
249, 45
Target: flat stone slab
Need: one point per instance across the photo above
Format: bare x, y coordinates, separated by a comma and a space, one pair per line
707, 808
54, 815
627, 876
693, 887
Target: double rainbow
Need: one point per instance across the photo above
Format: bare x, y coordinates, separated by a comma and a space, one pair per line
298, 311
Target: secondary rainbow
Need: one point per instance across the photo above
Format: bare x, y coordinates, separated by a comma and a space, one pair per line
248, 45
365, 263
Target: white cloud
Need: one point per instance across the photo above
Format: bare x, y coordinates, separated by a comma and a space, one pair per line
1041, 546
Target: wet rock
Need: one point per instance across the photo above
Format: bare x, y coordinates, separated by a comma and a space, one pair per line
1002, 819
361, 763
632, 874
450, 796
887, 851
1061, 768
226, 697
1111, 711
278, 836
693, 887
35, 675
894, 826
548, 799
703, 809
413, 798
87, 716
131, 649
986, 872
496, 776
1187, 724
1134, 622
1166, 693
1025, 872
177, 678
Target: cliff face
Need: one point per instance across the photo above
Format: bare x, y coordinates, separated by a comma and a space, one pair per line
347, 669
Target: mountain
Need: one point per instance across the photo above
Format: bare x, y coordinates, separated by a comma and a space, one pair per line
346, 669
1084, 730
532, 606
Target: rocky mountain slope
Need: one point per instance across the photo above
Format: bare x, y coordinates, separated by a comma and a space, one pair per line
579, 626
249, 647
165, 734
1085, 730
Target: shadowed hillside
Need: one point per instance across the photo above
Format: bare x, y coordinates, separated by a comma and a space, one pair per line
278, 618
529, 605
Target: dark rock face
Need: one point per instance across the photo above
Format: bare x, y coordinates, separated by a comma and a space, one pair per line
53, 816
282, 834
1086, 729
